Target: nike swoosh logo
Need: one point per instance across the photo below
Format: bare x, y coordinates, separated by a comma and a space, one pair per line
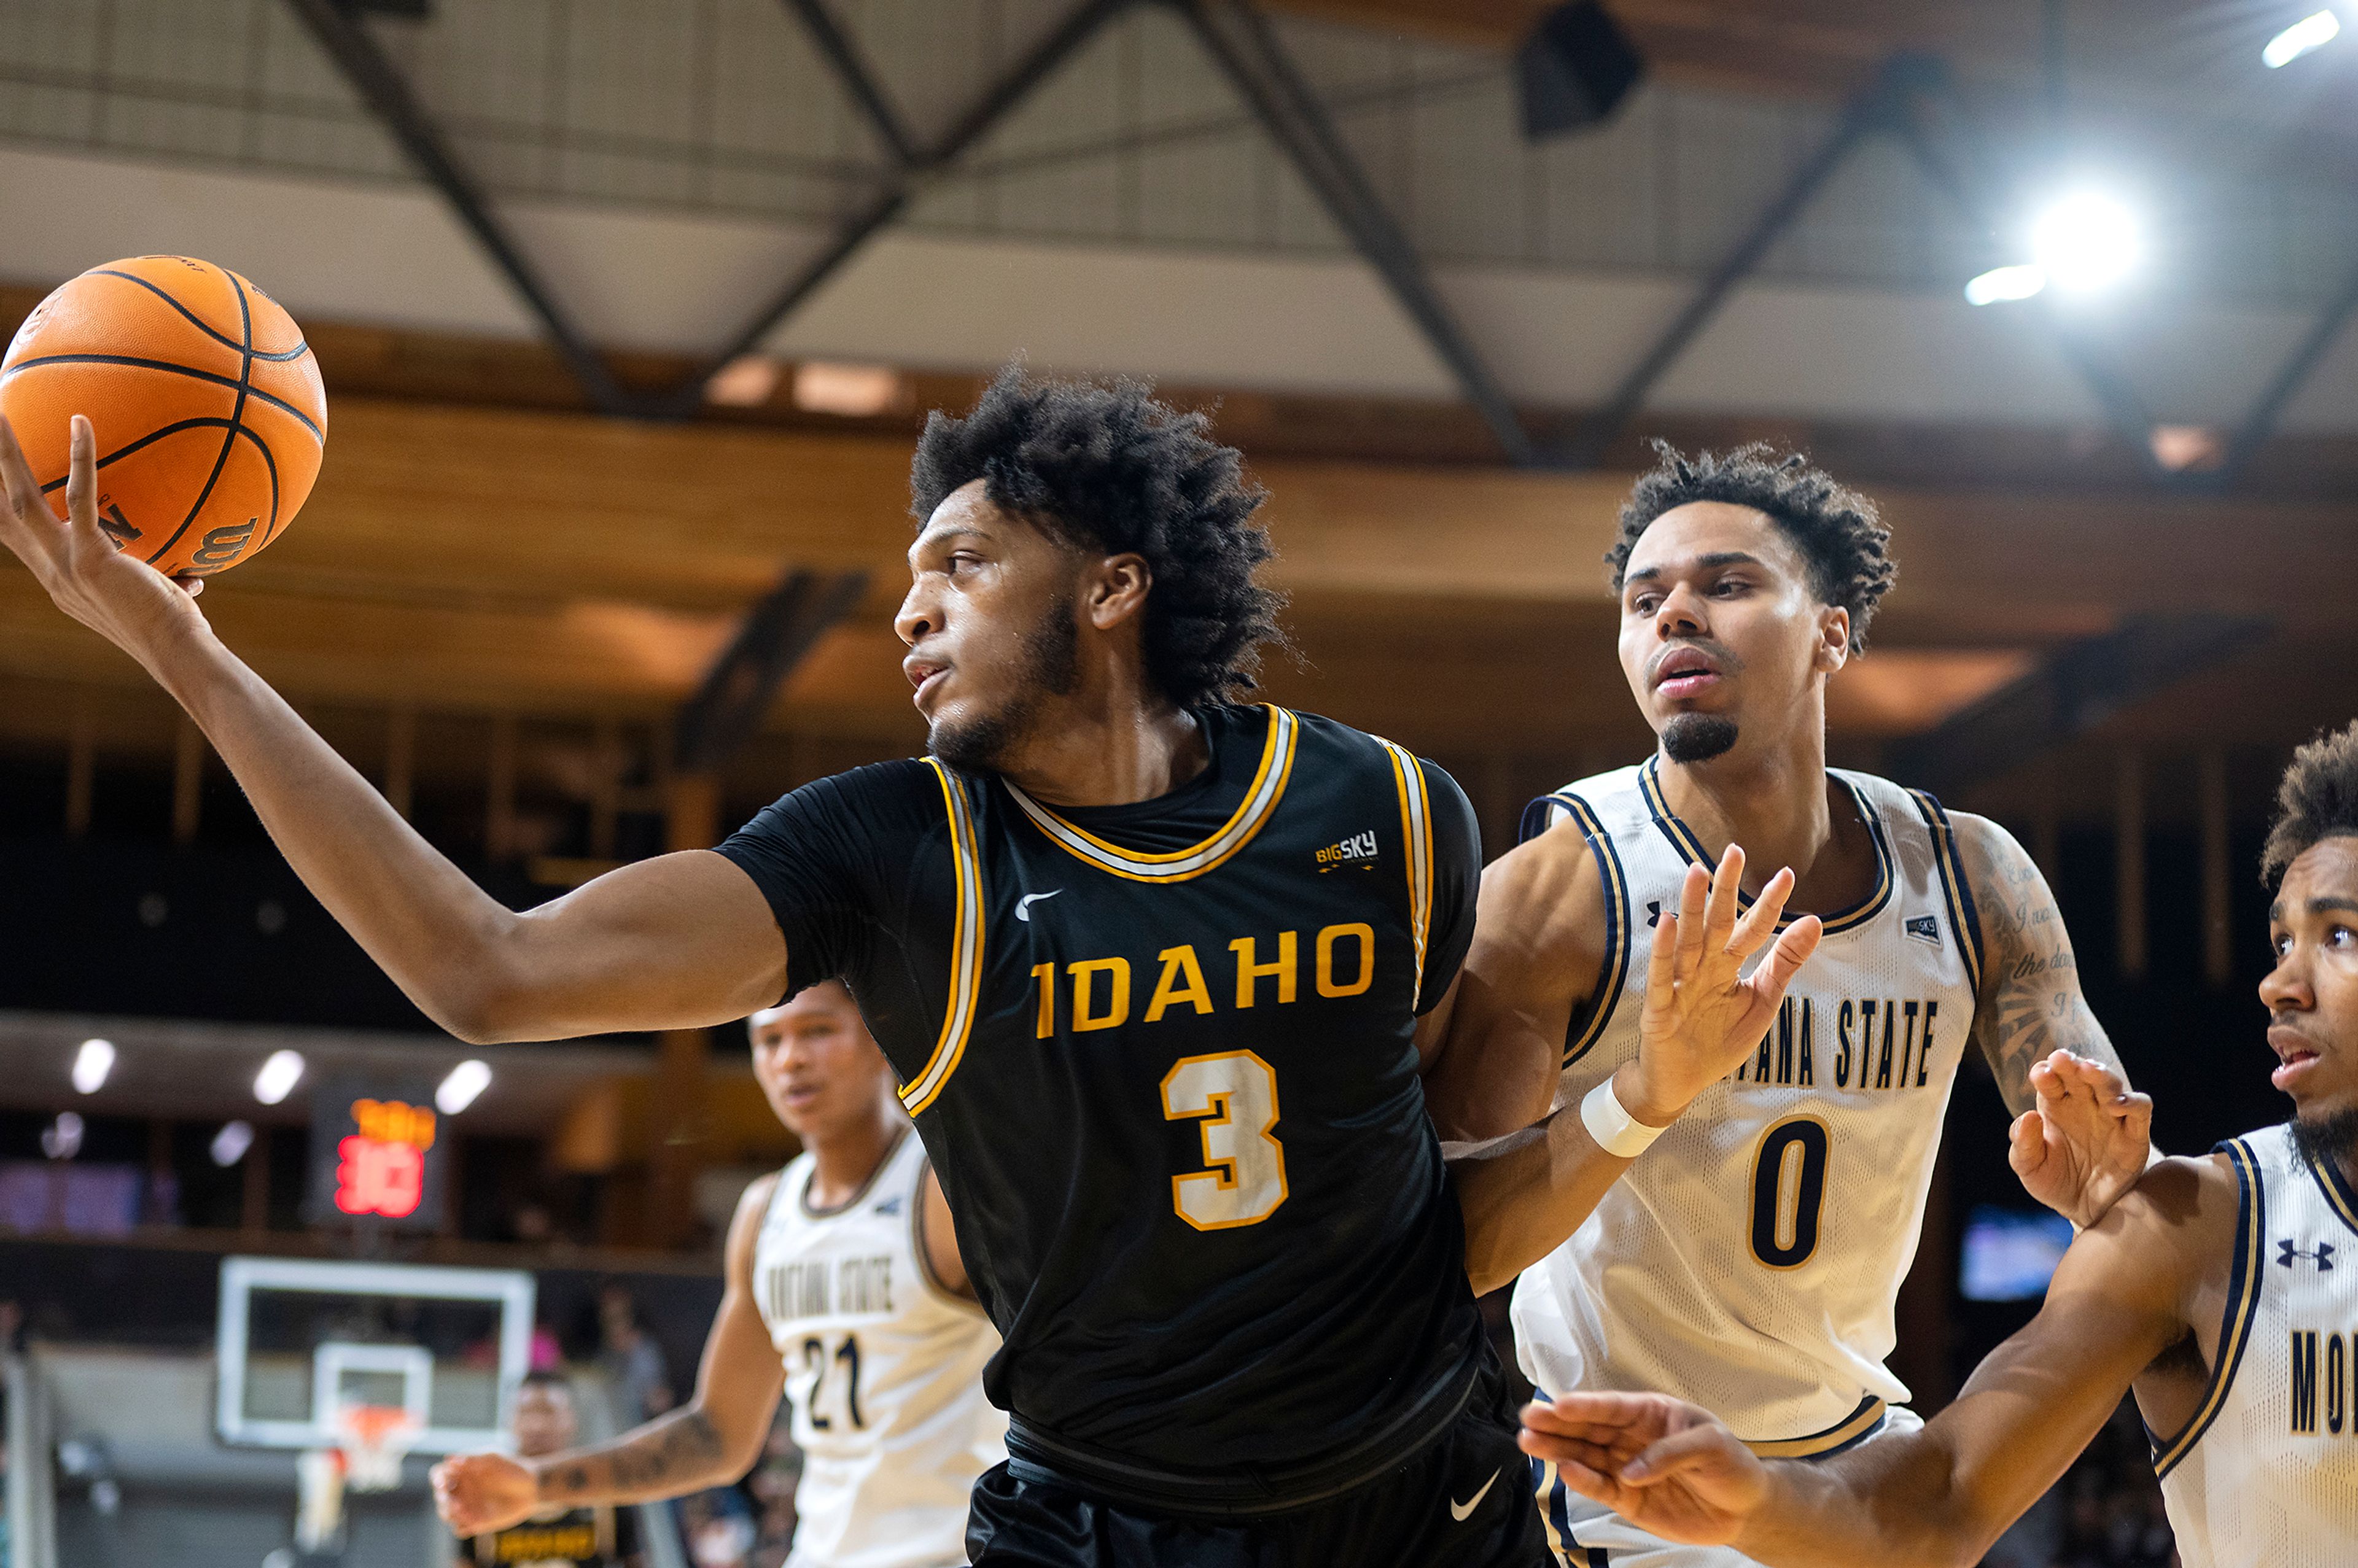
1458, 1511
1024, 905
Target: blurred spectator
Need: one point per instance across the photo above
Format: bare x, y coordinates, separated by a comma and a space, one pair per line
546, 1354
719, 1528
632, 1360
543, 1422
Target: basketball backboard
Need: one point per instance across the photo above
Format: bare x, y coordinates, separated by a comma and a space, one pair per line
301, 1339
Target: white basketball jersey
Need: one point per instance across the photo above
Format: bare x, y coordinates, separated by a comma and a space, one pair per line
1749, 1261
884, 1370
2266, 1476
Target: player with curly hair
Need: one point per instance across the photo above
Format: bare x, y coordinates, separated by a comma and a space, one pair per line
1752, 1264
2220, 1291
1160, 974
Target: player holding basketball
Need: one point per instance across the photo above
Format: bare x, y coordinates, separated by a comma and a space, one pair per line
2219, 1290
1159, 973
845, 1288
1752, 1262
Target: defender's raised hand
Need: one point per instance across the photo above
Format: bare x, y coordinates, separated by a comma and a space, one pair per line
2086, 1142
1665, 1466
117, 596
1703, 1014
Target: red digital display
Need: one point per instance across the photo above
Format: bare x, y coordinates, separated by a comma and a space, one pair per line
381, 1169
376, 1177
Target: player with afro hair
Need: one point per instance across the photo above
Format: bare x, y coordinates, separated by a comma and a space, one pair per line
2318, 799
1110, 470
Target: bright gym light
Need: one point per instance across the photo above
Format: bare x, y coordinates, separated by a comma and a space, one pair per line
231, 1142
90, 1065
458, 1090
2310, 34
2086, 240
2003, 283
278, 1076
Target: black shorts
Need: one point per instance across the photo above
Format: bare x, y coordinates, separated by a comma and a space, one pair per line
1462, 1500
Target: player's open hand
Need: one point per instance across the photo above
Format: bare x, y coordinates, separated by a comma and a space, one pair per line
1704, 1015
2086, 1142
477, 1493
86, 575
1665, 1466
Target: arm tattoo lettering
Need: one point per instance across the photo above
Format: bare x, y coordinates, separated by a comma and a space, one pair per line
664, 1456
2030, 1003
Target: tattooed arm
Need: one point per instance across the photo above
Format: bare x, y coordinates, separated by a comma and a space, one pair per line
709, 1442
2028, 1007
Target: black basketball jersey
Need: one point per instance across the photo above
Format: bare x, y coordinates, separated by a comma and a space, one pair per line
595, 1537
1163, 1057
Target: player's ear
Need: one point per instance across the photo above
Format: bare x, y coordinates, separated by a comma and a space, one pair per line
1832, 651
1116, 589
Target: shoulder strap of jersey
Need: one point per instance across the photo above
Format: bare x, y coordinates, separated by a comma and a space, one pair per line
1963, 915
2242, 1304
1580, 1034
966, 947
1416, 835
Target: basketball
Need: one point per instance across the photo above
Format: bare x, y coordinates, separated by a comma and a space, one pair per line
206, 402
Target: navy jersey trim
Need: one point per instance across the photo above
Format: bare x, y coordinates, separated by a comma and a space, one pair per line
1853, 1428
2337, 1196
2242, 1305
966, 950
1690, 849
1581, 1033
1962, 913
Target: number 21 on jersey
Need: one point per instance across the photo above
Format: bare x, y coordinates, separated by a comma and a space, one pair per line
1233, 1095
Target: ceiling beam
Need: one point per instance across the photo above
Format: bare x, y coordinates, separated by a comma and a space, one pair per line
348, 43
736, 693
1244, 46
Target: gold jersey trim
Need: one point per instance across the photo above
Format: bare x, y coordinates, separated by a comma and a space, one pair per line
2242, 1305
1416, 833
1847, 1431
1252, 814
1682, 838
966, 950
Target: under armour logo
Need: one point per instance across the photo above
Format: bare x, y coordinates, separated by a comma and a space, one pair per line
1653, 912
890, 1206
2322, 1256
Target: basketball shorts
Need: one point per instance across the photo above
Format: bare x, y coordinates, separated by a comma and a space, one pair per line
1582, 1534
1462, 1500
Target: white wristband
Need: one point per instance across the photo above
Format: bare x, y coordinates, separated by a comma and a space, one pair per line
1616, 1131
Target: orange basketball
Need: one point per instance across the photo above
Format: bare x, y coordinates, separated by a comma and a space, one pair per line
206, 402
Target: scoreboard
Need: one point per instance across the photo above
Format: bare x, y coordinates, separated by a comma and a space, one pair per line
378, 1160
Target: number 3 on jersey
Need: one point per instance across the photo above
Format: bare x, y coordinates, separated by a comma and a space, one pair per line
1235, 1094
1788, 1189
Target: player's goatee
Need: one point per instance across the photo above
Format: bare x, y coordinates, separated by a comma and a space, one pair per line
2328, 1138
1697, 737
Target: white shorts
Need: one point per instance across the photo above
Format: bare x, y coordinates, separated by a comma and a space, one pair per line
1582, 1534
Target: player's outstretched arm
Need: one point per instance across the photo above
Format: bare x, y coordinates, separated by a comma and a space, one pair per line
1539, 947
2030, 1007
1943, 1495
1524, 1193
709, 1442
676, 942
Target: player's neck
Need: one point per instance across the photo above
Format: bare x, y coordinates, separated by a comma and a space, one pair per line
1775, 799
846, 1159
1115, 746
